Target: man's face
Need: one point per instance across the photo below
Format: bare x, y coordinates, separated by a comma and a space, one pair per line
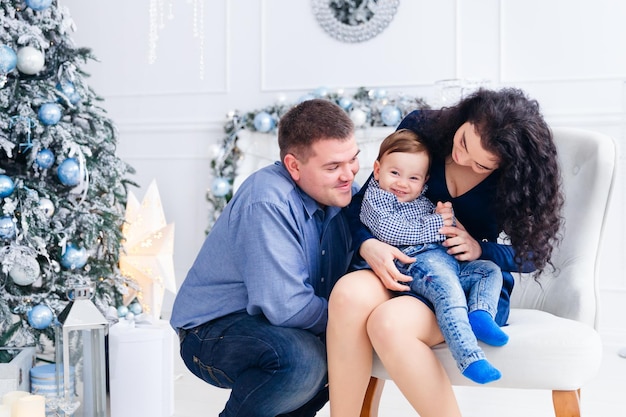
328, 174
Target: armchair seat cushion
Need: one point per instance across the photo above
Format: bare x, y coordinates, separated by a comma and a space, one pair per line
544, 352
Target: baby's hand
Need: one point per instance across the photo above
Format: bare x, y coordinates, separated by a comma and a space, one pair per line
446, 212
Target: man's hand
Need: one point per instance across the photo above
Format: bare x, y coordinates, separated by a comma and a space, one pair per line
380, 257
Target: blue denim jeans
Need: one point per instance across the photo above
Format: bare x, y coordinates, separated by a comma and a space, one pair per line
271, 370
454, 288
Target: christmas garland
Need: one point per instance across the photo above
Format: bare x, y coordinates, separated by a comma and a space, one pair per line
366, 107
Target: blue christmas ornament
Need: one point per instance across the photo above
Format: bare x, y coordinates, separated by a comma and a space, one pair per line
390, 115
50, 114
6, 186
38, 5
45, 158
263, 122
220, 187
122, 311
306, 97
8, 59
321, 92
345, 103
135, 308
40, 317
7, 227
74, 257
69, 172
69, 90
380, 93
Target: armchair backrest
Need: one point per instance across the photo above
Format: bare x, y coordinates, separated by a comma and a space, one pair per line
587, 161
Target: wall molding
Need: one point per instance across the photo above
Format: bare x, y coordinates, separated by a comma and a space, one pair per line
591, 119
169, 126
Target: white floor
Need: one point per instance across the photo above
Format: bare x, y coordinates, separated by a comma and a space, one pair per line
605, 396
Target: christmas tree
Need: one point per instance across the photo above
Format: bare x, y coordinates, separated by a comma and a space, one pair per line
63, 191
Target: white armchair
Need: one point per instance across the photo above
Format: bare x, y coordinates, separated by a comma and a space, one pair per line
553, 342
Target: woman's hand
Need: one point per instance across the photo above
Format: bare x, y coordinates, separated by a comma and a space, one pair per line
460, 244
446, 212
380, 257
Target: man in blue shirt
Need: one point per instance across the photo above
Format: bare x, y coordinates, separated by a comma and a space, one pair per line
252, 311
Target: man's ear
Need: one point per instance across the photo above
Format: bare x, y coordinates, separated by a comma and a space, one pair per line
293, 166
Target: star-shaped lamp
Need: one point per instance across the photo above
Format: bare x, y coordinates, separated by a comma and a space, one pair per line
148, 251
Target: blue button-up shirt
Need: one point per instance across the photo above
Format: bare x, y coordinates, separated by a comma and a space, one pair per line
272, 251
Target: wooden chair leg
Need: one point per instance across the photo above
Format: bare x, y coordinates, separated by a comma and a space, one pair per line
372, 397
566, 403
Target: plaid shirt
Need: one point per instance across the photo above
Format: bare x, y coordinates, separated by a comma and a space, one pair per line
400, 223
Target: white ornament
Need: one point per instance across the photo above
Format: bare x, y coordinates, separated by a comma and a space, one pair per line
47, 206
215, 150
359, 117
30, 60
26, 271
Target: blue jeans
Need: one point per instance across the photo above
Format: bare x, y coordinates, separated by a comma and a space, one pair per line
271, 370
454, 288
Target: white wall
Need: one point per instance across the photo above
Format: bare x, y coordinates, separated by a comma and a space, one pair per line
568, 54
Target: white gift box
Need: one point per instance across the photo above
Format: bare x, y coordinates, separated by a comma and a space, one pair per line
141, 369
14, 375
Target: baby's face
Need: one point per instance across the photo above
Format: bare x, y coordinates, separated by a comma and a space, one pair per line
402, 174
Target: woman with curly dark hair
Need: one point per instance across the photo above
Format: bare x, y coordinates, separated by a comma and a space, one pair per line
495, 160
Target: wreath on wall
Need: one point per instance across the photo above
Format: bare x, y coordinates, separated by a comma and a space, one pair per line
354, 20
366, 107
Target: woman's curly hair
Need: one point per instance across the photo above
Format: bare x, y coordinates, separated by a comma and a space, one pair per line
529, 194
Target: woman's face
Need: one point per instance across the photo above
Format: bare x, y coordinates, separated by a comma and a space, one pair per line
468, 151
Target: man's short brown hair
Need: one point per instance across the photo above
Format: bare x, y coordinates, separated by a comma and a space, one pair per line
310, 121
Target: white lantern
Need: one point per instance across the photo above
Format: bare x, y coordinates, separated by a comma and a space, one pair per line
80, 356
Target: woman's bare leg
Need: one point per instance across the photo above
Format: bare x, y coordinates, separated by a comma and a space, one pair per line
349, 349
402, 331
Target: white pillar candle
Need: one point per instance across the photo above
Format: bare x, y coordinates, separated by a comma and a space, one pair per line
10, 397
29, 406
5, 410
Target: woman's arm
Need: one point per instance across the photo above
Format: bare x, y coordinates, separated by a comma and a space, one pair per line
360, 233
464, 247
504, 256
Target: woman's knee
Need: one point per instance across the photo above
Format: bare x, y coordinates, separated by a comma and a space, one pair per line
381, 327
402, 317
356, 293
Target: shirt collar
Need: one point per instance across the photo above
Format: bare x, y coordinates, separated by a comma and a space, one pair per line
310, 205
